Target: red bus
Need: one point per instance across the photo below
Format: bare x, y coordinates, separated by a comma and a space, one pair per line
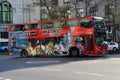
72, 37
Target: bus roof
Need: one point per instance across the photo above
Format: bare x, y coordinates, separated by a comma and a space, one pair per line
98, 17
33, 22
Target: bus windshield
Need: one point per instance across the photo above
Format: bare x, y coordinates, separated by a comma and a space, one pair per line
100, 31
99, 23
101, 40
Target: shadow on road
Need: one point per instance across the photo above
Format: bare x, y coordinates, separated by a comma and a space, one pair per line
9, 63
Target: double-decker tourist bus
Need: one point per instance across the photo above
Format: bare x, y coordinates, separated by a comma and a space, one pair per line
72, 37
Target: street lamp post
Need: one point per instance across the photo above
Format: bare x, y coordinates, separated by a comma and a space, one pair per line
23, 9
40, 9
29, 14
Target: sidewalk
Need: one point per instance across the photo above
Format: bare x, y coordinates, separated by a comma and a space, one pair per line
3, 53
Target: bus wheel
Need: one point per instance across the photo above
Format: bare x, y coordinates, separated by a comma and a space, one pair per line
114, 49
74, 52
24, 53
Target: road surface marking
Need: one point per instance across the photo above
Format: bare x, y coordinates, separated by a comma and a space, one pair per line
32, 68
114, 58
7, 79
42, 62
87, 73
88, 62
48, 69
1, 77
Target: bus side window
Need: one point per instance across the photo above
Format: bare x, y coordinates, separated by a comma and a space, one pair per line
39, 26
26, 27
67, 24
85, 23
12, 28
63, 24
18, 28
32, 26
44, 25
49, 24
57, 24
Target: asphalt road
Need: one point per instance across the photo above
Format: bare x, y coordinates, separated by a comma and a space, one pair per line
106, 67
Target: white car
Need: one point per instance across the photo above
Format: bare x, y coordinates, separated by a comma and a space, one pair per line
113, 46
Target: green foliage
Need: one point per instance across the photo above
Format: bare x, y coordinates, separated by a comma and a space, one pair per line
53, 11
64, 11
109, 9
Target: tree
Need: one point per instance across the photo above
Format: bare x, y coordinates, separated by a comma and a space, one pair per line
87, 6
64, 11
94, 8
112, 9
52, 9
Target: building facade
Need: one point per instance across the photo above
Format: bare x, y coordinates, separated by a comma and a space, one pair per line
14, 12
21, 11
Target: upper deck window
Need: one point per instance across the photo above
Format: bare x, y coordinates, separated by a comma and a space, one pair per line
17, 28
47, 25
99, 23
85, 23
57, 24
71, 23
34, 26
100, 27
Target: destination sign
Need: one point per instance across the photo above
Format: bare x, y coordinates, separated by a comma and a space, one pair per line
55, 31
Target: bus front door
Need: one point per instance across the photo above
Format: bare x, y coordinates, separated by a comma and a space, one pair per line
89, 44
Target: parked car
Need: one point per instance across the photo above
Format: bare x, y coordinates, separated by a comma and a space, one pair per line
113, 46
3, 48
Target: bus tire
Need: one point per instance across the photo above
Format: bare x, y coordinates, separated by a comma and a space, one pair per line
24, 53
114, 49
73, 52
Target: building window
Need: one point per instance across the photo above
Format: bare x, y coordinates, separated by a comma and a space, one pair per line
6, 13
93, 11
66, 1
55, 2
4, 35
56, 14
43, 15
80, 12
